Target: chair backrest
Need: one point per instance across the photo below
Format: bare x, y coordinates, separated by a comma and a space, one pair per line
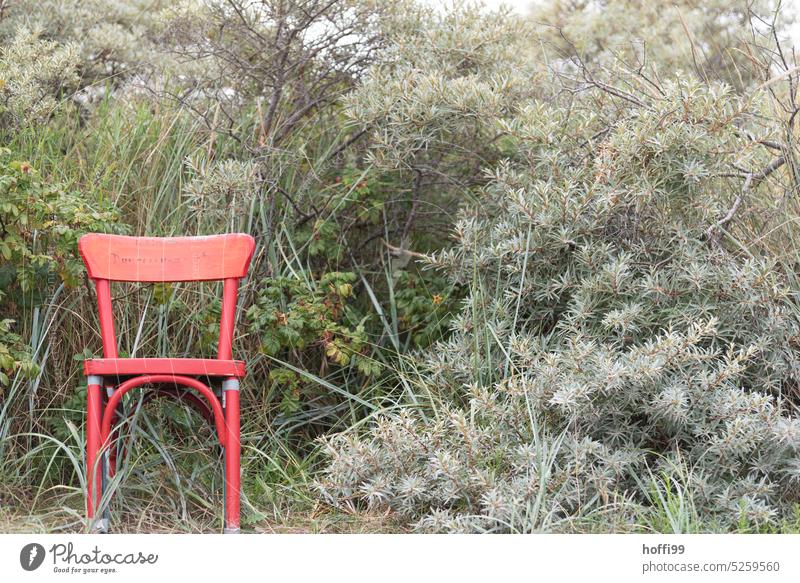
166, 259
158, 259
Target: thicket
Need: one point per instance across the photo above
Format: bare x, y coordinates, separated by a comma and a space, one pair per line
519, 273
608, 346
624, 351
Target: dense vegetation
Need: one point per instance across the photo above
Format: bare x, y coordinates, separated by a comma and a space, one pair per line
513, 274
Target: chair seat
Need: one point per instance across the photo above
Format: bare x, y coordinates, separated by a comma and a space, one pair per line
207, 367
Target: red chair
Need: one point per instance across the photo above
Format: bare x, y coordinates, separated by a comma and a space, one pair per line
169, 259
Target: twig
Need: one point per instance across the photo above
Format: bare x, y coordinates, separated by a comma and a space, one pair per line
752, 180
399, 251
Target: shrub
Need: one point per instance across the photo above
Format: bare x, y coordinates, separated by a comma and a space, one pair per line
312, 321
108, 39
425, 305
431, 104
608, 335
33, 72
711, 38
39, 229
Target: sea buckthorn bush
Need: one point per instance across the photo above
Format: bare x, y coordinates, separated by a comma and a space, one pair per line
612, 348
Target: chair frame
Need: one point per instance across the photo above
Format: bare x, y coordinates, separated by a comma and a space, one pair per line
111, 258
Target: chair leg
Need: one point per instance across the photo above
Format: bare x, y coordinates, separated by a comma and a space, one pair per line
230, 394
109, 465
110, 457
94, 465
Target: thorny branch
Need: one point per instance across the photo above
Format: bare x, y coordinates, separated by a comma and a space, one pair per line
752, 180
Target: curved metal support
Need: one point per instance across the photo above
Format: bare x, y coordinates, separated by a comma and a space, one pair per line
111, 405
179, 396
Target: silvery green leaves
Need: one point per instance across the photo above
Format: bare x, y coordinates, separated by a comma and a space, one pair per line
220, 193
609, 358
33, 73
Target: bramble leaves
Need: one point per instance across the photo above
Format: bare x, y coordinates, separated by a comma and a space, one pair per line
39, 229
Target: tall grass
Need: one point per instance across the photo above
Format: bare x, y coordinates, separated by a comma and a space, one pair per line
135, 155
